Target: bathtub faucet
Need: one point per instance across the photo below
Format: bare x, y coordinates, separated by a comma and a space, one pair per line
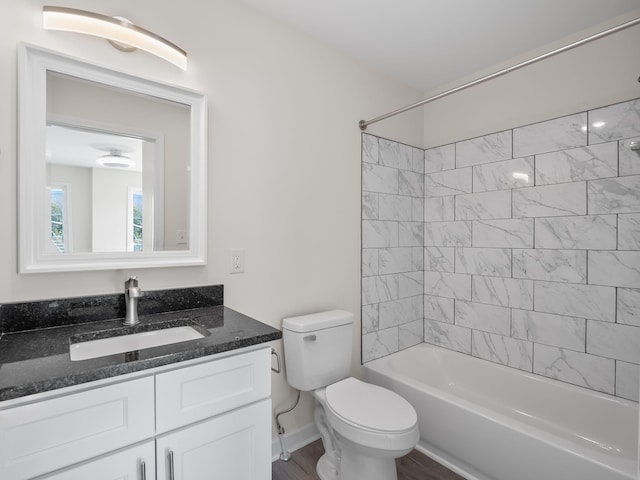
131, 294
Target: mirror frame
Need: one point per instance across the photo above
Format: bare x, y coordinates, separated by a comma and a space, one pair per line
33, 65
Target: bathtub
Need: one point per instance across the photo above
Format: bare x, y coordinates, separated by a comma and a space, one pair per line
490, 422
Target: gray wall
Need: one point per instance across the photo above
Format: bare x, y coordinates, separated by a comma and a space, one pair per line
531, 249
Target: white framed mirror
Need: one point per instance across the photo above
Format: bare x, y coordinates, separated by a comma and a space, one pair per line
112, 168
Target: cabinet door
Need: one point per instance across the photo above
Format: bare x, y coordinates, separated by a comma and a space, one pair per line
233, 446
135, 463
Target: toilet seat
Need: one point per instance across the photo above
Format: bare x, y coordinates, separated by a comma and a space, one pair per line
371, 415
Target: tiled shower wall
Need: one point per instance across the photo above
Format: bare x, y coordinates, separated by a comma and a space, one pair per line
531, 251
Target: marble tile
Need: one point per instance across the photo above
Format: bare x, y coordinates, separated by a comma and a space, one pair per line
612, 340
410, 334
410, 234
629, 231
440, 158
370, 206
483, 261
513, 233
549, 329
552, 135
486, 149
617, 269
439, 259
551, 265
484, 206
369, 148
577, 368
410, 285
417, 258
369, 262
448, 336
506, 292
398, 312
394, 154
417, 210
499, 349
628, 311
376, 178
411, 184
395, 260
370, 318
379, 289
379, 344
550, 200
418, 160
628, 160
378, 234
439, 209
584, 163
450, 182
614, 122
516, 173
394, 207
627, 377
450, 285
447, 234
581, 232
440, 309
478, 316
614, 195
585, 301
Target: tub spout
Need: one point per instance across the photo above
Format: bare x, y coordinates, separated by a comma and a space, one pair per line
131, 294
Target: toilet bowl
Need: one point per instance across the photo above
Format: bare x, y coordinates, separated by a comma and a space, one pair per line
364, 427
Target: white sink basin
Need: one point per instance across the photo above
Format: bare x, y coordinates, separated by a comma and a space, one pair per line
132, 342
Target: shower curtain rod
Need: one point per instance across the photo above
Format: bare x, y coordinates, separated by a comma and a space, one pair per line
365, 123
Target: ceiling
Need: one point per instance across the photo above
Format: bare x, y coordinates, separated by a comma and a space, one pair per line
429, 43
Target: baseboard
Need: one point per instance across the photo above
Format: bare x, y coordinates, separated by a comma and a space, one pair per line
294, 440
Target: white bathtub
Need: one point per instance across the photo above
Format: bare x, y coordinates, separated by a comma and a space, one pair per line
490, 422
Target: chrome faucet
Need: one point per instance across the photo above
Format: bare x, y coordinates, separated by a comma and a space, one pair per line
131, 294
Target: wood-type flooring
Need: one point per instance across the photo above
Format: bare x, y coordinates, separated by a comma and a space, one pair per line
302, 466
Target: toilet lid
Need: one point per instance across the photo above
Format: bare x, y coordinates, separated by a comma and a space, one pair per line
370, 406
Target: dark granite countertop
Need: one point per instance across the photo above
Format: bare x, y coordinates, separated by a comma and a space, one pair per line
38, 360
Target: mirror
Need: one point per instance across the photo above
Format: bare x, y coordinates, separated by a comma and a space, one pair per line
112, 168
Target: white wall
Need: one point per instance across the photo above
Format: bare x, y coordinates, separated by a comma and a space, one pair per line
284, 157
599, 73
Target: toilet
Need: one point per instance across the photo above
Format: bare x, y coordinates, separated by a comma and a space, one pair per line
364, 427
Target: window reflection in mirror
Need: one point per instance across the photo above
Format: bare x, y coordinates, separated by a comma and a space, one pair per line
105, 153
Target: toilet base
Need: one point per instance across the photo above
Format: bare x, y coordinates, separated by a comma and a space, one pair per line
357, 466
325, 470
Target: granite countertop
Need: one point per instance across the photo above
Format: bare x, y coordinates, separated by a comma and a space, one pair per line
38, 360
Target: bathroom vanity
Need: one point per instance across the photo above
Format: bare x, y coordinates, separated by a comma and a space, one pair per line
187, 410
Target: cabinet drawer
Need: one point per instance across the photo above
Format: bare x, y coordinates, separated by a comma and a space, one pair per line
51, 434
128, 464
190, 394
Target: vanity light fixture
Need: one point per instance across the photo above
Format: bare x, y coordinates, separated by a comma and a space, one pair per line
115, 159
121, 33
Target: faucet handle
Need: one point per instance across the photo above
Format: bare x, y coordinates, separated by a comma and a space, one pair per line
131, 282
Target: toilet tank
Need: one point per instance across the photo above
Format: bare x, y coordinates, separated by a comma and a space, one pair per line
317, 348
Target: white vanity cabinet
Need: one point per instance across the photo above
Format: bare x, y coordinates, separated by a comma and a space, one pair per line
201, 419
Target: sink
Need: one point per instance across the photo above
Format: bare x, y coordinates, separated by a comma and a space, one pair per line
134, 341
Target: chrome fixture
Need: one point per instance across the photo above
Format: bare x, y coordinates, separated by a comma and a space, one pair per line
635, 146
120, 32
363, 124
131, 294
285, 455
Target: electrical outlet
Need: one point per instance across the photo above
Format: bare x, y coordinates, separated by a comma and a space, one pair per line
237, 260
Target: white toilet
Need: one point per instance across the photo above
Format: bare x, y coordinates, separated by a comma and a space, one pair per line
364, 427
